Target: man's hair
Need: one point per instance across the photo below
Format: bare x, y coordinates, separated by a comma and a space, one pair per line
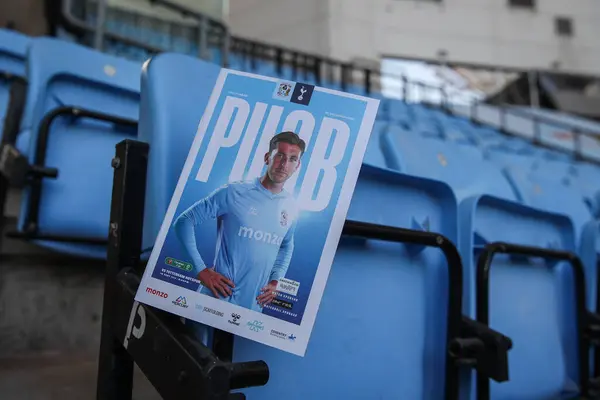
287, 137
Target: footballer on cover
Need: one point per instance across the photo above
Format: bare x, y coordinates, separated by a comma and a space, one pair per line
251, 231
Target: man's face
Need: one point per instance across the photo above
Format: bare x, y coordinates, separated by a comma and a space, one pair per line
282, 162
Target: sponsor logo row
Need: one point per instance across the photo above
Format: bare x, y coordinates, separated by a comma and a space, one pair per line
234, 319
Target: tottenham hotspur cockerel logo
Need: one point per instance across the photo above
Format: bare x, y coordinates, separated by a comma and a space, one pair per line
284, 218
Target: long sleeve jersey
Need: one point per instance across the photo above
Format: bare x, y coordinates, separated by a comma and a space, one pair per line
255, 236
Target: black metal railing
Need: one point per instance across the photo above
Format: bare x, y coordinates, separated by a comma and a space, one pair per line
18, 172
14, 112
175, 362
588, 323
325, 70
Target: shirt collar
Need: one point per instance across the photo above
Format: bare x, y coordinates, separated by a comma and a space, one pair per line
266, 191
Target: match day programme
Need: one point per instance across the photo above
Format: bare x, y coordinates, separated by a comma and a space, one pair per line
251, 231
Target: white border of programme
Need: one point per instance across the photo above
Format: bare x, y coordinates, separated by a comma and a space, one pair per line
301, 332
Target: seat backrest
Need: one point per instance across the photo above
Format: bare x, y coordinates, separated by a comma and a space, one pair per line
462, 167
170, 112
96, 82
522, 301
586, 179
77, 203
13, 50
558, 170
503, 159
457, 131
374, 154
398, 111
544, 192
412, 338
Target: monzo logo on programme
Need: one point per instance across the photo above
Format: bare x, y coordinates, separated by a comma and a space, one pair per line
158, 293
260, 236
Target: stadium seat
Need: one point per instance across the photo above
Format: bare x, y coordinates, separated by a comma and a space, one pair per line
412, 338
348, 346
524, 298
556, 169
441, 160
374, 154
585, 178
503, 158
13, 50
169, 152
506, 144
74, 115
542, 190
398, 112
457, 131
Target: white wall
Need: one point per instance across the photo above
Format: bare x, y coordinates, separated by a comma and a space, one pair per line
485, 32
299, 24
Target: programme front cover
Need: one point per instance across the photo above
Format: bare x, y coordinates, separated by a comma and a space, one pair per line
251, 231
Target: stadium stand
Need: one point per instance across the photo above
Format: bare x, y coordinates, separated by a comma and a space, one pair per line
497, 176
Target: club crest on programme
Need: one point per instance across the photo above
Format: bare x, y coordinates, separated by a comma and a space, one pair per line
284, 89
284, 218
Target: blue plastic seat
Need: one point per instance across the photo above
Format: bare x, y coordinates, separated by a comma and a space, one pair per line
383, 112
457, 131
441, 160
554, 170
13, 50
426, 128
77, 203
507, 144
544, 192
398, 112
524, 298
586, 179
503, 158
345, 350
374, 154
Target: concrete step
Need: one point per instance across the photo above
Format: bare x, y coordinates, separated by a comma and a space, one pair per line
59, 377
50, 314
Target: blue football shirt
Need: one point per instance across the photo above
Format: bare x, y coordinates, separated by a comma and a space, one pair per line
255, 238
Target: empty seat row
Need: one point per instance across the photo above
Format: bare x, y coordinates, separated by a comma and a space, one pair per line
420, 183
75, 113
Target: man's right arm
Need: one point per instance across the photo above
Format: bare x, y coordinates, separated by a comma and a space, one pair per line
210, 207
